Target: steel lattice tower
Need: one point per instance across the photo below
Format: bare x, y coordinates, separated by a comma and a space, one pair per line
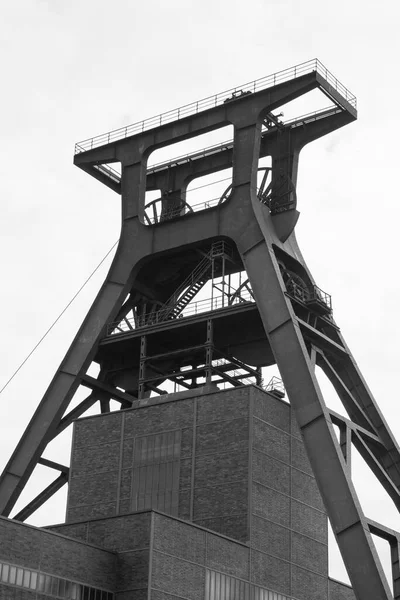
140, 330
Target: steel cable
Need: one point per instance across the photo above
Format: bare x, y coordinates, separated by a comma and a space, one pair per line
58, 318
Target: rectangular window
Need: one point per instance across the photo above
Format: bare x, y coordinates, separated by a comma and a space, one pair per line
47, 584
156, 462
54, 586
20, 576
51, 586
33, 582
4, 573
13, 575
224, 587
68, 589
27, 579
62, 588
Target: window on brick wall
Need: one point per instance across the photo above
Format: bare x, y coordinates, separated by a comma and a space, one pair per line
155, 481
224, 587
49, 585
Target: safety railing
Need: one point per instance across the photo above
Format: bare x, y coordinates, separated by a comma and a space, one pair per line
109, 172
275, 386
220, 147
194, 308
212, 101
181, 211
239, 375
320, 296
313, 116
183, 158
309, 295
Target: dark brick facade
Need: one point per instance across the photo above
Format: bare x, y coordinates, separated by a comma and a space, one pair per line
51, 553
249, 506
214, 465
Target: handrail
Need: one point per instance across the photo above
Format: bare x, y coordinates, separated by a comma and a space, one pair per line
308, 294
216, 100
243, 378
275, 384
194, 308
228, 144
190, 280
106, 169
178, 212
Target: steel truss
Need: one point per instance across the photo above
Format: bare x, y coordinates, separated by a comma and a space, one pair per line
299, 330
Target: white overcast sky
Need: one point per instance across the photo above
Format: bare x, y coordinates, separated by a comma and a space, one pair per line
73, 69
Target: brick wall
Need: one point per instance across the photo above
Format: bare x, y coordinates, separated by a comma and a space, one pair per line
54, 554
95, 465
129, 537
244, 473
340, 591
221, 465
214, 462
288, 524
172, 553
181, 554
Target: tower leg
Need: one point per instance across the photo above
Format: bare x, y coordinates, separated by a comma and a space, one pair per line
328, 464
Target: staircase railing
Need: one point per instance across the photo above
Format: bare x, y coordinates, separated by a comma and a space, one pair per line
193, 278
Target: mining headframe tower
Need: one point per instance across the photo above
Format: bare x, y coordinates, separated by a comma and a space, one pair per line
207, 484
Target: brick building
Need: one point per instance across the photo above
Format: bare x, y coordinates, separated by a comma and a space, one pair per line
206, 494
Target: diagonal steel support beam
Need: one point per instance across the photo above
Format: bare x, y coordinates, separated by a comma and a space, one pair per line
53, 465
115, 393
257, 235
349, 401
320, 340
393, 537
372, 460
338, 419
75, 413
41, 498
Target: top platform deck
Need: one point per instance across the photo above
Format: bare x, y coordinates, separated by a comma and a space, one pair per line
212, 101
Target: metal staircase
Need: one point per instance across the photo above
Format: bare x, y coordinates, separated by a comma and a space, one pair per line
188, 289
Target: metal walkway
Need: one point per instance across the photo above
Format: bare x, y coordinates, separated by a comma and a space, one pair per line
212, 101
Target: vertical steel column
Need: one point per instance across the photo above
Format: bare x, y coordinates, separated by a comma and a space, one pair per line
209, 351
142, 366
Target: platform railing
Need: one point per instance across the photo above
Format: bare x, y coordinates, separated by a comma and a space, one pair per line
228, 144
232, 94
275, 386
242, 378
192, 309
181, 211
321, 296
115, 175
109, 172
309, 295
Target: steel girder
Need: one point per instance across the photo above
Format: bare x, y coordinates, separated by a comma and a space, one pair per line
297, 345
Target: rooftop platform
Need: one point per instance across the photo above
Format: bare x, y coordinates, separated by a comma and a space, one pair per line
329, 84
